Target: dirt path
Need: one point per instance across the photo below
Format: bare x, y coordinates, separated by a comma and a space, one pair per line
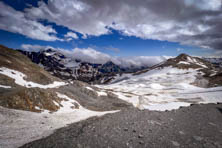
189, 127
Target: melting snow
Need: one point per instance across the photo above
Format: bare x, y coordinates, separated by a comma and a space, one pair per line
202, 65
20, 127
163, 89
192, 60
89, 88
19, 79
183, 62
48, 54
3, 86
101, 93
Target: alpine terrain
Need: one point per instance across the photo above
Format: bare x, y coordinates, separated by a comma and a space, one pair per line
34, 100
110, 73
70, 69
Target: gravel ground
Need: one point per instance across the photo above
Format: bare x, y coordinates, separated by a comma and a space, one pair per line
195, 126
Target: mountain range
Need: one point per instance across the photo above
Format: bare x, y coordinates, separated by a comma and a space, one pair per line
43, 91
75, 69
25, 85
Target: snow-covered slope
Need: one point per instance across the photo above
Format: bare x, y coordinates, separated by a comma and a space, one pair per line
169, 85
26, 86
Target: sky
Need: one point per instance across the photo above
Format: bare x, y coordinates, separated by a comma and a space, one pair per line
125, 28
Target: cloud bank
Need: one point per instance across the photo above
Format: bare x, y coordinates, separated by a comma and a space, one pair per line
188, 22
93, 56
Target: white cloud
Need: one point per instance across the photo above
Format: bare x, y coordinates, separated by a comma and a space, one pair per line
139, 61
71, 35
16, 21
35, 48
90, 55
84, 36
93, 56
184, 21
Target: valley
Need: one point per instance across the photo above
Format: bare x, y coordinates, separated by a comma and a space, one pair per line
110, 73
35, 104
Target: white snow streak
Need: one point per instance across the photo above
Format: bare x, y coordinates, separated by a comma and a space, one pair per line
101, 93
3, 86
19, 79
89, 88
183, 62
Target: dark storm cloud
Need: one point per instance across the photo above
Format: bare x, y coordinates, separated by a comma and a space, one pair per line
185, 21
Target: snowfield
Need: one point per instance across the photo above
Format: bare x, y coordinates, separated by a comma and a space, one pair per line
20, 127
99, 93
162, 89
19, 79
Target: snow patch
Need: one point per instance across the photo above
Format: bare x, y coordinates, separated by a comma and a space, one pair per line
48, 54
101, 93
67, 104
167, 106
183, 62
19, 79
89, 88
3, 86
202, 65
155, 86
39, 125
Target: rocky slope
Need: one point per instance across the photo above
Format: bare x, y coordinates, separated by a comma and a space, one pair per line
33, 103
26, 86
197, 126
208, 71
74, 69
18, 97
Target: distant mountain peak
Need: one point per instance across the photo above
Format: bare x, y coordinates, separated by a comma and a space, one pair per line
73, 69
49, 50
183, 56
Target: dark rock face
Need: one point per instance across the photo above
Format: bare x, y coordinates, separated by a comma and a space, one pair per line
73, 69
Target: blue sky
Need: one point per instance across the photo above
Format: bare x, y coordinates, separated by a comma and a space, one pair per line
114, 41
